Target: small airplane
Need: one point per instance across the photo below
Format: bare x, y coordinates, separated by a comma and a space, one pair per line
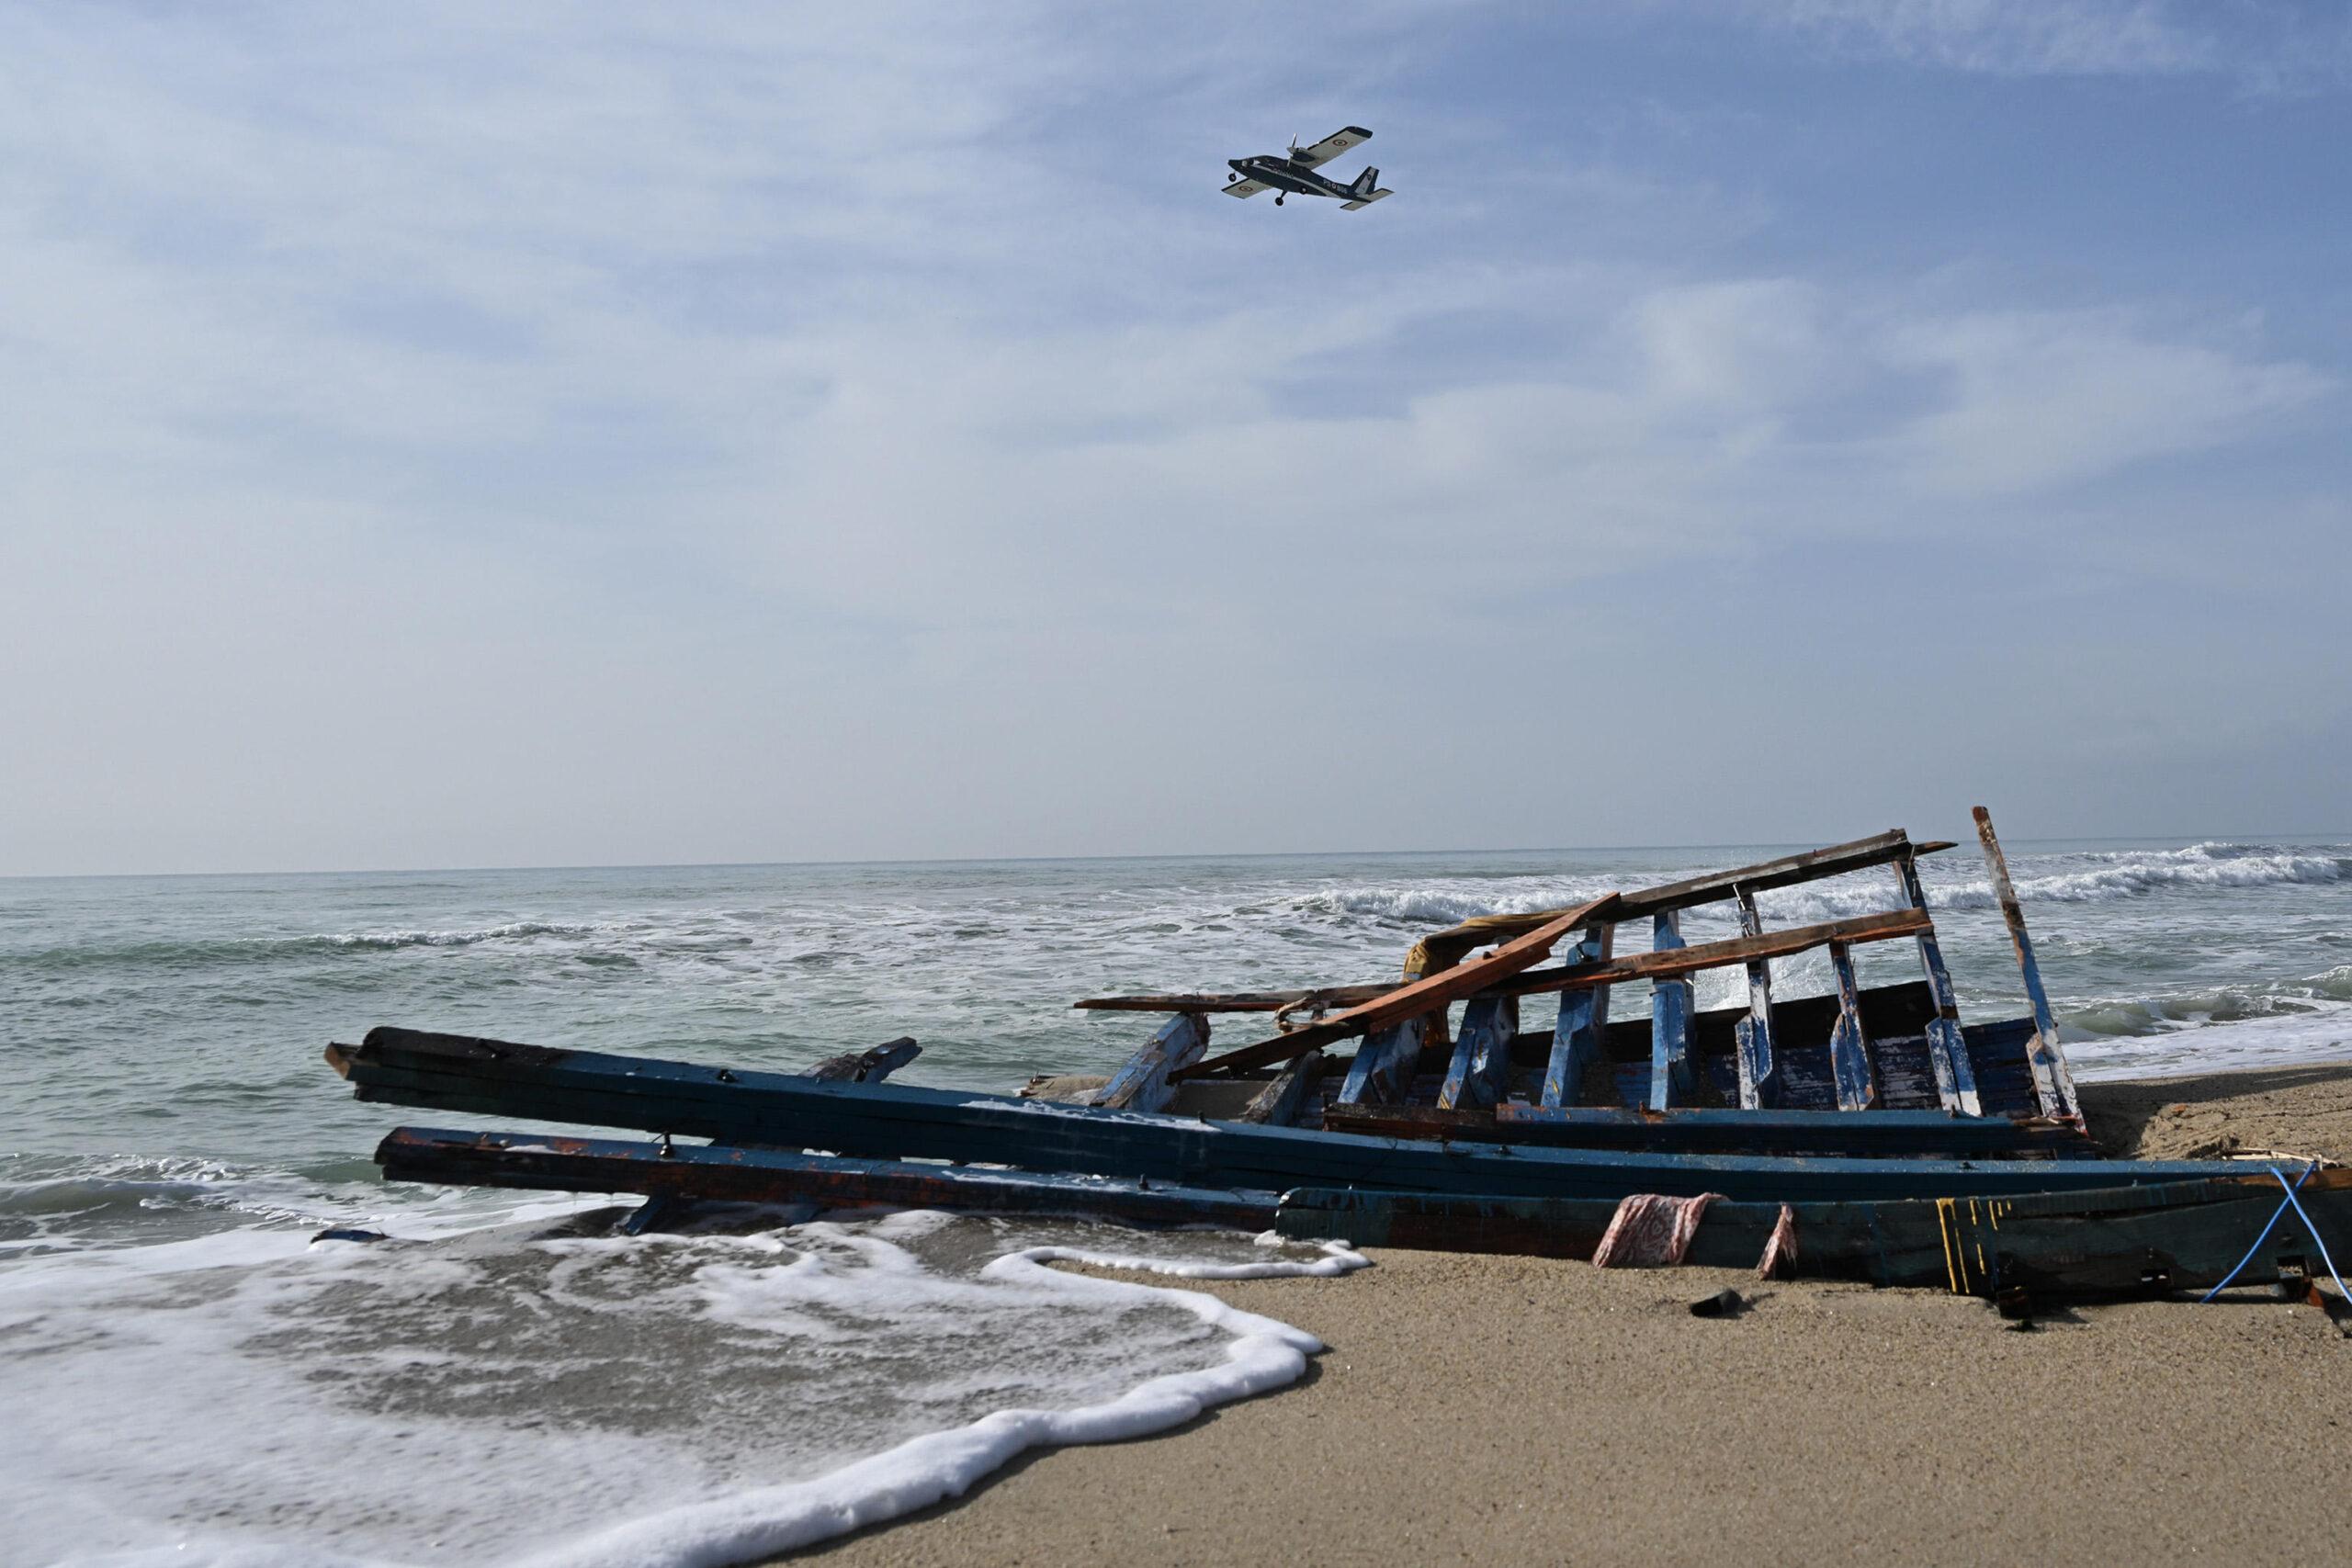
1294, 173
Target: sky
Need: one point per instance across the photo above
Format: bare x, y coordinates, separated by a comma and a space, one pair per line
450, 436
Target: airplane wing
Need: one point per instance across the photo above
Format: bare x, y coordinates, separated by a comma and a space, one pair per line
1245, 187
1333, 145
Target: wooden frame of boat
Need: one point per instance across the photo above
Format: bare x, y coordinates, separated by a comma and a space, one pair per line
1900, 1145
1746, 1073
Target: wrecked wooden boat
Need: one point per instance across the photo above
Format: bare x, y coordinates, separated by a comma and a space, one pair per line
1373, 1111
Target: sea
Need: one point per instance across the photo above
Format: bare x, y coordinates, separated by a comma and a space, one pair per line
188, 1375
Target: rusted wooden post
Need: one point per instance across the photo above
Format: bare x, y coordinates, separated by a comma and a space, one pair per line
1382, 1071
1849, 1048
1669, 1021
1759, 1071
1584, 1019
1947, 1047
1479, 1074
2054, 1084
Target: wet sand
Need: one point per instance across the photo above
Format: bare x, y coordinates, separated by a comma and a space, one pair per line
1517, 1410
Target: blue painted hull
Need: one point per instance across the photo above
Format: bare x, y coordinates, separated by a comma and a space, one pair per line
887, 1121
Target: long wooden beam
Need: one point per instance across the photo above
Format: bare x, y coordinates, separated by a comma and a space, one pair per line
1854, 929
1440, 989
1237, 1001
1716, 886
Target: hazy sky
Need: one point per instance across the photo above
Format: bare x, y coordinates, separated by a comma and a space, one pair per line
617, 434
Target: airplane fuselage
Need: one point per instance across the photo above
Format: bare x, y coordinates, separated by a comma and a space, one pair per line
1274, 169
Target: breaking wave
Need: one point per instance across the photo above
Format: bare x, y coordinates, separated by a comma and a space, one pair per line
2110, 877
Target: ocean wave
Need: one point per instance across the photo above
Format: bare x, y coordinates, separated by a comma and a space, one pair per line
1433, 906
2118, 875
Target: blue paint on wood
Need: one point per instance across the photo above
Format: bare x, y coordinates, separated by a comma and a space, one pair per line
1479, 1074
1849, 1048
1759, 1069
484, 1077
1584, 1018
1947, 1051
2054, 1083
1141, 1083
1670, 1077
1382, 1071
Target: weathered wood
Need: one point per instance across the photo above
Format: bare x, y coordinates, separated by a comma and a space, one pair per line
1479, 1073
870, 1066
1584, 1019
1237, 1001
462, 1075
1670, 1077
1278, 1103
1382, 1072
1142, 1081
1760, 1070
1853, 931
2054, 1082
1947, 1051
1849, 1047
1710, 1130
675, 1175
1412, 1000
2122, 1240
1785, 872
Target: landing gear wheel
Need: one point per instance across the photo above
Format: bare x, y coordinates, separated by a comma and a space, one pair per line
1278, 201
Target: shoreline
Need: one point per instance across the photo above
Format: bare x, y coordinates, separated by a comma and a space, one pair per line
1512, 1409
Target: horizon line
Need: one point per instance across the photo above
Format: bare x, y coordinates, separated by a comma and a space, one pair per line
1052, 860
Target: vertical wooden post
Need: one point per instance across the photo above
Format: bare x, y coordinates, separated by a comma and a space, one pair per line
2054, 1083
1584, 1019
1670, 1022
1382, 1071
1947, 1047
1759, 1072
1849, 1048
1479, 1074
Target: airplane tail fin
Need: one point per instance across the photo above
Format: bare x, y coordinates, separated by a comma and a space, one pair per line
1364, 183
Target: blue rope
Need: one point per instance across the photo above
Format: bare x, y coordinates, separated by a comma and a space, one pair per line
2280, 1212
2324, 1258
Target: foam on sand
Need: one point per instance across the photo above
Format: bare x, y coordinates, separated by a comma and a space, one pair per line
517, 1396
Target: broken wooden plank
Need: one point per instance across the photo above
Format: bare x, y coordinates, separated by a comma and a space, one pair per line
1278, 1103
1787, 869
1142, 1082
683, 1172
1947, 1049
1479, 1073
1584, 1019
1849, 1047
1760, 1070
2054, 1083
1670, 1077
1237, 1001
1853, 931
1383, 1070
1412, 1000
870, 1066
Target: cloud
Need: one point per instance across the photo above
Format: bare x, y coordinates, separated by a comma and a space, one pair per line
583, 418
2264, 44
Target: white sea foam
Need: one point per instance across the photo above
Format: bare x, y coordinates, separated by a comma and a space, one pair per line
681, 1401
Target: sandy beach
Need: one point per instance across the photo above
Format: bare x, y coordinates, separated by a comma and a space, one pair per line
1516, 1410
